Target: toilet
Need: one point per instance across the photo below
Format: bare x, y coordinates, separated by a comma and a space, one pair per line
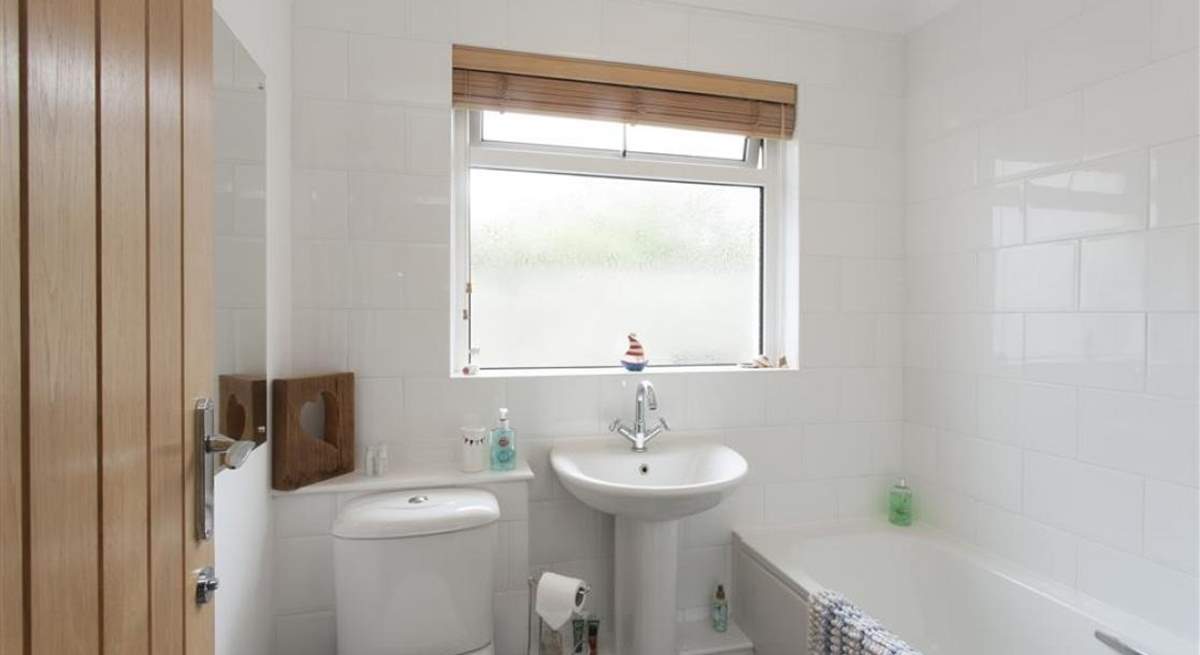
413, 573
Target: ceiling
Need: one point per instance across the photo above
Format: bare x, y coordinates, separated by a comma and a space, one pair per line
898, 16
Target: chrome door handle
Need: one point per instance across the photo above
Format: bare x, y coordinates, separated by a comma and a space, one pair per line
214, 452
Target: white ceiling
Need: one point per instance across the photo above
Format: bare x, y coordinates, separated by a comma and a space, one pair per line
898, 16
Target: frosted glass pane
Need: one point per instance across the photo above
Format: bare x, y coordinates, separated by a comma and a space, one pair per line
694, 143
564, 266
551, 130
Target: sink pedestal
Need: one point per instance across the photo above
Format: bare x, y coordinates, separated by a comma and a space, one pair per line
645, 566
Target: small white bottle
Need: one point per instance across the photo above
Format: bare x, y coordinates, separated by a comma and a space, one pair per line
369, 461
381, 459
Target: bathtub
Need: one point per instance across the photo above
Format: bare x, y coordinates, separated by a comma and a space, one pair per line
941, 596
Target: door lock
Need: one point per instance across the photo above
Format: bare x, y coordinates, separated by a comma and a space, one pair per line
206, 585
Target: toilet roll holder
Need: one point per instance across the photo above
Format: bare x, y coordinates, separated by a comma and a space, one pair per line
581, 595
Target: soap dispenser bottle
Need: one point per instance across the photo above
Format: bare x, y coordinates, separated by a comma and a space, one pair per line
900, 503
504, 444
720, 610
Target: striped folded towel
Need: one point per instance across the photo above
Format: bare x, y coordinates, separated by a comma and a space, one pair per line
837, 627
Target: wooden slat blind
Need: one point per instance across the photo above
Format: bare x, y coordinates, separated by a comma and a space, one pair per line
500, 80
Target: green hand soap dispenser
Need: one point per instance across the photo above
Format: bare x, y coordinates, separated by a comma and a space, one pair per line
504, 445
900, 503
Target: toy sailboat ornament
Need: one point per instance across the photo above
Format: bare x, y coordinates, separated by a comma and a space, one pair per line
635, 357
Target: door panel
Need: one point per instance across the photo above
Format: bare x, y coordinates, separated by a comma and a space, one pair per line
105, 221
60, 306
12, 552
123, 391
197, 275
165, 205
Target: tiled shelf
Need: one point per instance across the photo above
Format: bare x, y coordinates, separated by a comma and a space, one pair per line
413, 478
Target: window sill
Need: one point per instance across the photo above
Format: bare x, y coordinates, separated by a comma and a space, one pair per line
503, 374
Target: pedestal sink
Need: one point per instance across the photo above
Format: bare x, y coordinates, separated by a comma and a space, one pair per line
648, 492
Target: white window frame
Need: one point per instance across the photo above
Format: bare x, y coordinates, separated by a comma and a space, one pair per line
470, 151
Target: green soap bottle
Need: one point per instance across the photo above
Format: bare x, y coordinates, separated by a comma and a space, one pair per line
720, 610
504, 445
900, 504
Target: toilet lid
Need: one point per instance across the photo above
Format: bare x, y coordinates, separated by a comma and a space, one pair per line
415, 513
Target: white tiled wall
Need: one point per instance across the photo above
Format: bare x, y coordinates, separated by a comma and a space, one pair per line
371, 266
1050, 381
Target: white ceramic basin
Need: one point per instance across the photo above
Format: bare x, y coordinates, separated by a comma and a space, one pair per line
676, 477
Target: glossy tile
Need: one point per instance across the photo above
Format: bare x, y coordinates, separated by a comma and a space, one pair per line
1147, 435
1174, 191
1092, 502
322, 55
1029, 278
390, 70
645, 34
1036, 416
1148, 106
556, 27
1172, 532
1096, 350
319, 203
1104, 40
1046, 135
1174, 28
1172, 356
1106, 195
394, 207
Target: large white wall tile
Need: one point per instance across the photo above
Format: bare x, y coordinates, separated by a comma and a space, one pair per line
1172, 355
1106, 39
481, 23
790, 503
1174, 26
1172, 532
1035, 416
319, 204
390, 343
645, 33
1174, 194
393, 207
984, 470
365, 16
722, 400
1106, 195
557, 27
1152, 436
322, 56
1090, 501
1148, 106
1100, 350
1154, 270
383, 69
1048, 134
722, 43
1029, 278
804, 396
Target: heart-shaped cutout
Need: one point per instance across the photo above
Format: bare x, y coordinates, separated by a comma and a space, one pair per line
235, 417
312, 418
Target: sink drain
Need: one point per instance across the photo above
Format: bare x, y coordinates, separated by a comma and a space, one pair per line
644, 469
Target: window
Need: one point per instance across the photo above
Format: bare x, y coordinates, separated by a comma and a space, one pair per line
574, 233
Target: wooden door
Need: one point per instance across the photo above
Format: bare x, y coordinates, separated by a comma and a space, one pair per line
105, 329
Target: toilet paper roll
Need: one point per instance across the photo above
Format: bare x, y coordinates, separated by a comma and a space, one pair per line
558, 597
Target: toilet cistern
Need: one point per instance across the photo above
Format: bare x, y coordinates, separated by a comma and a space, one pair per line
637, 435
